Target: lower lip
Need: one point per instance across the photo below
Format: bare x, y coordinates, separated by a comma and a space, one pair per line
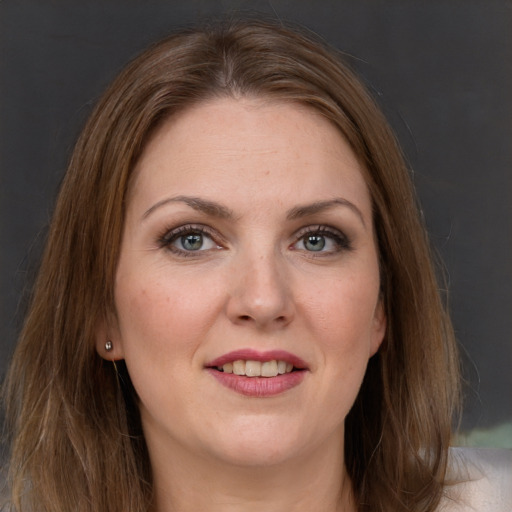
259, 387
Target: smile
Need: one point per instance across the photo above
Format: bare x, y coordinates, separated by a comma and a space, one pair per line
256, 374
256, 368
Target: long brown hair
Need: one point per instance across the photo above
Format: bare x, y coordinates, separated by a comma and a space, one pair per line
76, 438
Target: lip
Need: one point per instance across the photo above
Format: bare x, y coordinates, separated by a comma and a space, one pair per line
262, 357
258, 387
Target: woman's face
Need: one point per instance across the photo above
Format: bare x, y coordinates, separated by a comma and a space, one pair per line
248, 248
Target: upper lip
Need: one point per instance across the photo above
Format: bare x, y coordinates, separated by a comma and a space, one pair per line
255, 355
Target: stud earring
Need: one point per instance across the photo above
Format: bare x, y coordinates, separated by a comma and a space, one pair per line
108, 346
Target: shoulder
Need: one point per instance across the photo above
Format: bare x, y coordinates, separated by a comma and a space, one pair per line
479, 480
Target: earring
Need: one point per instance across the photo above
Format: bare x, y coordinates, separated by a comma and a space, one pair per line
108, 346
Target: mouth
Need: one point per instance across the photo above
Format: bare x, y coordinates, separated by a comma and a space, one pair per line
252, 368
258, 374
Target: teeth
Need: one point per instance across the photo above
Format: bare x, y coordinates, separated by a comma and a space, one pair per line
227, 368
239, 367
269, 369
252, 368
257, 369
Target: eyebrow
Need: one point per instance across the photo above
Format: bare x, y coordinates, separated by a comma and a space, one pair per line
321, 206
217, 210
198, 204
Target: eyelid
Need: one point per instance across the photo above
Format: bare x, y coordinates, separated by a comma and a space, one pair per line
320, 228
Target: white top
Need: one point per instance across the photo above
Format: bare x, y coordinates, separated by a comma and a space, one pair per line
486, 481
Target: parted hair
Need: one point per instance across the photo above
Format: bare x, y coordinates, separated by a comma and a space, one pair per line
72, 418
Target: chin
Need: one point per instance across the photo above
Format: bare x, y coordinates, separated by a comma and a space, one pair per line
253, 455
259, 442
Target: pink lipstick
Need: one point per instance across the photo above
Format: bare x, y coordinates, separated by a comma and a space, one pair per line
258, 374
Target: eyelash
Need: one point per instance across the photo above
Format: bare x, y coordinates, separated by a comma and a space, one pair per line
170, 235
342, 242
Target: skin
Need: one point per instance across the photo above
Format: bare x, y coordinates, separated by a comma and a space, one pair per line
256, 284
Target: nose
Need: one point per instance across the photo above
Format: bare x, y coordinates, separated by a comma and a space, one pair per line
260, 293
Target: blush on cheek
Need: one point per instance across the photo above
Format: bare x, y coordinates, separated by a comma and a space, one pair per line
156, 322
139, 314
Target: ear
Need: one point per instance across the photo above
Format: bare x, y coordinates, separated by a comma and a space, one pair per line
379, 327
108, 331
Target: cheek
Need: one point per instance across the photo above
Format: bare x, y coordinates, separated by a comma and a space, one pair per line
159, 333
343, 316
160, 315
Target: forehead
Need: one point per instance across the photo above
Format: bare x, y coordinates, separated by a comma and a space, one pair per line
251, 145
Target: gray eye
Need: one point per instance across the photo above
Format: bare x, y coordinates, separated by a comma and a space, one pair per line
191, 242
188, 239
314, 242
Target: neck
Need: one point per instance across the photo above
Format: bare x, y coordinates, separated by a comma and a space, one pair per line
314, 481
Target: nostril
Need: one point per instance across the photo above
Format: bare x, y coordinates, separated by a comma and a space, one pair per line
246, 318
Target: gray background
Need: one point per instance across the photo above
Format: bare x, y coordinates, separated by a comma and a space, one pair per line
442, 71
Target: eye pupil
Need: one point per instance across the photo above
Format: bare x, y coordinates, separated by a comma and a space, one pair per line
192, 242
314, 242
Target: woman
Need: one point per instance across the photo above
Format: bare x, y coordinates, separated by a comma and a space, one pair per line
236, 309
